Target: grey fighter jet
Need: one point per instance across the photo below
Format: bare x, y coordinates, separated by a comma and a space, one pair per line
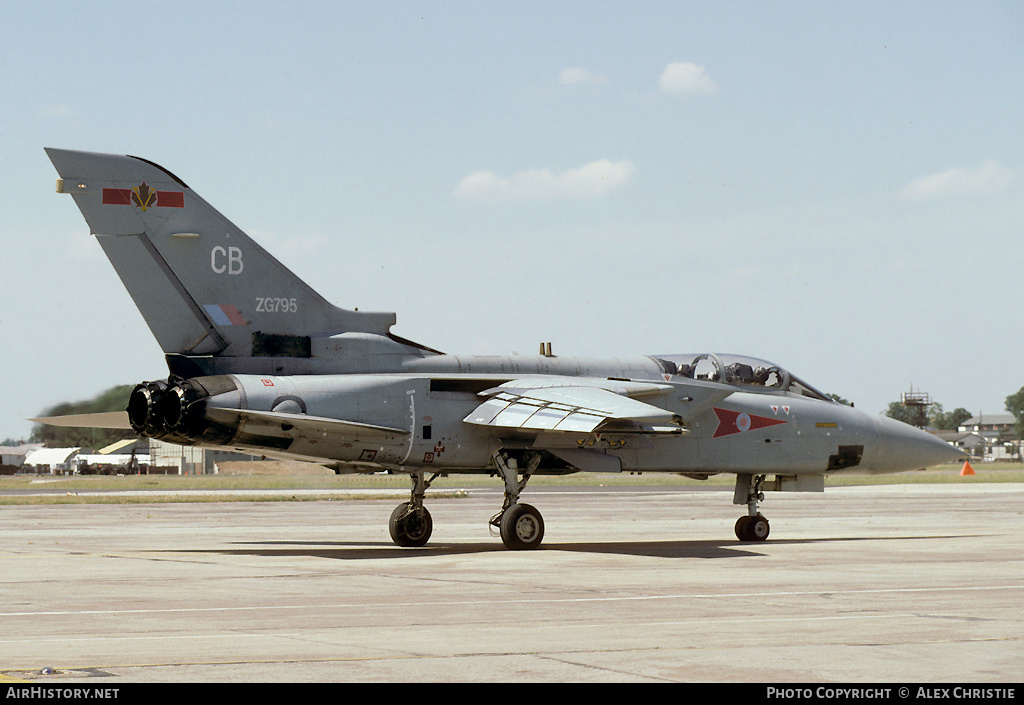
261, 363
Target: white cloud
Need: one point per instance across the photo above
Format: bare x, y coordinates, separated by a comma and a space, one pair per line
575, 76
686, 79
55, 111
987, 179
588, 181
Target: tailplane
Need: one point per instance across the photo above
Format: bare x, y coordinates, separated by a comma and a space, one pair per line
204, 287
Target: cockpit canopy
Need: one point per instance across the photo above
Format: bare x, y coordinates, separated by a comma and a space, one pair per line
739, 371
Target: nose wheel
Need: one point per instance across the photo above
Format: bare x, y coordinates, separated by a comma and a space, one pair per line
753, 526
750, 528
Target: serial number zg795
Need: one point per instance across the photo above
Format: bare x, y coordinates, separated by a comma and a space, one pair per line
273, 304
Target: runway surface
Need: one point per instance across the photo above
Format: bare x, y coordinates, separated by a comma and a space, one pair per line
904, 583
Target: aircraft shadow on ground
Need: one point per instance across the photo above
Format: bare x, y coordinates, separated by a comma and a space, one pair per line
340, 550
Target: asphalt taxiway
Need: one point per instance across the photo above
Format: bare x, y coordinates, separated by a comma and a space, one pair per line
899, 583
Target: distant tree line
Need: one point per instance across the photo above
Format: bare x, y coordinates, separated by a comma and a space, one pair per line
113, 399
1015, 405
928, 415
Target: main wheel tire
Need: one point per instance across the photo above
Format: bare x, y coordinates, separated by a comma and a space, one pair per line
750, 528
743, 528
522, 527
410, 528
758, 528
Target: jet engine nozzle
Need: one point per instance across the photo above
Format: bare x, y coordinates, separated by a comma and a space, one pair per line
177, 411
144, 408
189, 410
182, 408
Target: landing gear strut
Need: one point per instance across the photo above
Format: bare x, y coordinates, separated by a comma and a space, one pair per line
520, 525
410, 523
753, 526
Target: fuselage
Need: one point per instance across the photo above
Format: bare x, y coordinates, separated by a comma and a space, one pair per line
734, 423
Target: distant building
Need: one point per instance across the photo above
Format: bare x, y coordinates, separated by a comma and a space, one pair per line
990, 426
998, 436
966, 441
124, 457
53, 460
190, 460
15, 455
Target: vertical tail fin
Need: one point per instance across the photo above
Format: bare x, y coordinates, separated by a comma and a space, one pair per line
203, 286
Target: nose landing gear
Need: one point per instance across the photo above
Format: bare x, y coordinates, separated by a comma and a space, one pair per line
752, 527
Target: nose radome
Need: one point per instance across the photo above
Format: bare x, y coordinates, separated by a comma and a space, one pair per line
902, 447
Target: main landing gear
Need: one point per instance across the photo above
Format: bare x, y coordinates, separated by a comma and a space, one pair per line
410, 523
519, 525
753, 526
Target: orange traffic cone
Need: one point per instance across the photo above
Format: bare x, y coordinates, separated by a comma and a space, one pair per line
966, 469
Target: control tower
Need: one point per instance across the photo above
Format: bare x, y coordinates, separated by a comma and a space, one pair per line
917, 403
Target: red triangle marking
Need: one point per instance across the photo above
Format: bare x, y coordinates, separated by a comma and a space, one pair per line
732, 422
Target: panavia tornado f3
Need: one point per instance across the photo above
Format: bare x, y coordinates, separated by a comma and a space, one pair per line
259, 362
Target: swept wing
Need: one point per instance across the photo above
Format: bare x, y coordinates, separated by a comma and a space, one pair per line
575, 406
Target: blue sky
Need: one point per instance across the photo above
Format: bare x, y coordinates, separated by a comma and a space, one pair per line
836, 187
